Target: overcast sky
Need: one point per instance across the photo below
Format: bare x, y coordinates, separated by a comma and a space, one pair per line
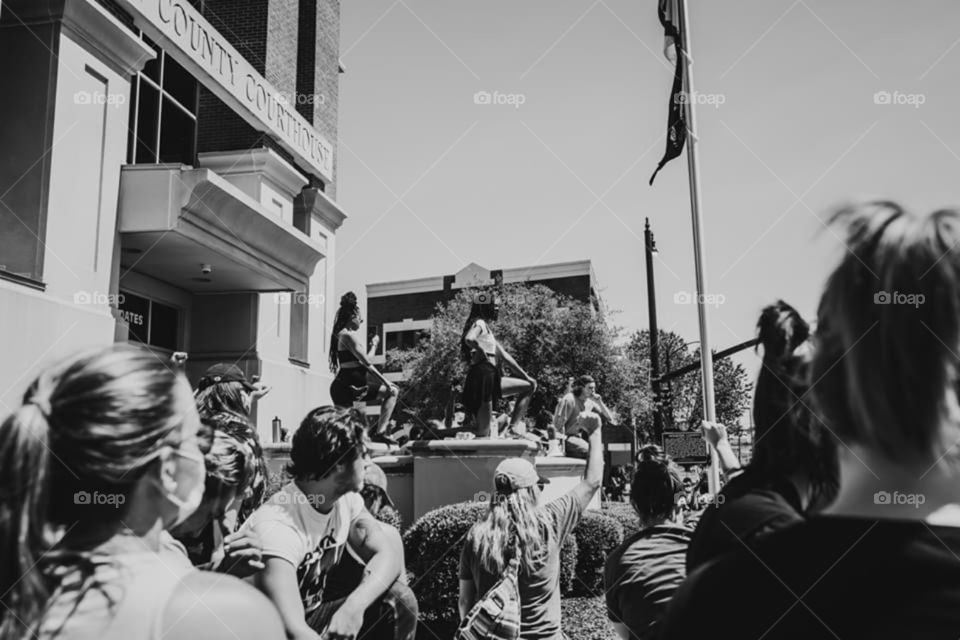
789, 126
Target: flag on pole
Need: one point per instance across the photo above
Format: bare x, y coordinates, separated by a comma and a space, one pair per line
676, 122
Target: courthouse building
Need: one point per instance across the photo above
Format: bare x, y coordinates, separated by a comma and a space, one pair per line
168, 176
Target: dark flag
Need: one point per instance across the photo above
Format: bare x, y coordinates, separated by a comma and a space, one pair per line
676, 122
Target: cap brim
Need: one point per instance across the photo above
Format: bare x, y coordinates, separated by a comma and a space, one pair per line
542, 480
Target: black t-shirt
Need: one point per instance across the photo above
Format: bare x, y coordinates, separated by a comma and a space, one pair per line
750, 508
828, 577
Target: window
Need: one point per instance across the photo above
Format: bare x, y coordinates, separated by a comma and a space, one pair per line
164, 100
150, 322
408, 339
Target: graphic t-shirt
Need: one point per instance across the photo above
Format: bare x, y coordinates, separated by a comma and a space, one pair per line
540, 590
313, 542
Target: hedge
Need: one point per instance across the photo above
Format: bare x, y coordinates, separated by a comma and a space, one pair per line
597, 535
624, 513
432, 546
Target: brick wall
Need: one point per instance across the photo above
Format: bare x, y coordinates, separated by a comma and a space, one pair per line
327, 77
295, 44
281, 57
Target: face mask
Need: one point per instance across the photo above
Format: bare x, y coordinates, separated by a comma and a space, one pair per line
187, 493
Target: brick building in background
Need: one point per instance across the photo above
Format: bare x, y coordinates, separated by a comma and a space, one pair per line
399, 311
169, 178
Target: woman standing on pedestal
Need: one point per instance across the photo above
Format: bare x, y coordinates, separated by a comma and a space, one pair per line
484, 384
348, 358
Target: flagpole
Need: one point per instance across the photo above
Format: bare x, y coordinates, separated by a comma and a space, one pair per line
706, 355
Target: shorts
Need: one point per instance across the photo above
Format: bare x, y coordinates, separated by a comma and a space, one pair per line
351, 386
482, 385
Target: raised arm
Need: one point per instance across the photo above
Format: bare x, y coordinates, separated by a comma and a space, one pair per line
593, 477
716, 435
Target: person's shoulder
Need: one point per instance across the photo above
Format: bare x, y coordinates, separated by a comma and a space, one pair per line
216, 606
351, 504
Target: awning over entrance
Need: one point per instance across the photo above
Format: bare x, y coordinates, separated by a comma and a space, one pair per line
174, 220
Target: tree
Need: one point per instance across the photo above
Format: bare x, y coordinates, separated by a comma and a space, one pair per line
683, 407
552, 337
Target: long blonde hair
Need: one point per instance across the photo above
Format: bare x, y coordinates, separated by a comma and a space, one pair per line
513, 515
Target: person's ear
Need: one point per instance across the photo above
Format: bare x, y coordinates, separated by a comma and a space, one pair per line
166, 468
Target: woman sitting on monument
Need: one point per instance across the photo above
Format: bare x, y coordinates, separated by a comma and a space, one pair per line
484, 384
350, 361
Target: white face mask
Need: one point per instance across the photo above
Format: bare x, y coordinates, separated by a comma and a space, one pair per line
187, 491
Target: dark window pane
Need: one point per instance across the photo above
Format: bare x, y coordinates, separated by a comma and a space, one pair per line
152, 68
176, 135
299, 325
180, 84
147, 112
135, 311
132, 122
164, 326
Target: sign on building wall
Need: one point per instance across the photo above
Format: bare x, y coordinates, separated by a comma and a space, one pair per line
150, 322
187, 36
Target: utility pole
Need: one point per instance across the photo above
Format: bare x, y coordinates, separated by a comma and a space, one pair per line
651, 248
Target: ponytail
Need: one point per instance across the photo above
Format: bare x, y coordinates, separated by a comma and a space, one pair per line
93, 422
24, 478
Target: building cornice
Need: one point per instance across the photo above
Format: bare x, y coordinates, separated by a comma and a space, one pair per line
263, 162
90, 25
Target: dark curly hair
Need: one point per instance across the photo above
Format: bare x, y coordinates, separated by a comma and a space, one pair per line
790, 439
348, 308
328, 436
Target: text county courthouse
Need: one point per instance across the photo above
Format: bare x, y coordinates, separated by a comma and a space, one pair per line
168, 176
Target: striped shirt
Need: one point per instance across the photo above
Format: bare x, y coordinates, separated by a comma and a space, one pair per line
642, 575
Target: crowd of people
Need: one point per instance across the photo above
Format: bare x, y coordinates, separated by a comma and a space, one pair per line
134, 506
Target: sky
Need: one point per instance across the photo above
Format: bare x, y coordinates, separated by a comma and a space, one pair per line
792, 121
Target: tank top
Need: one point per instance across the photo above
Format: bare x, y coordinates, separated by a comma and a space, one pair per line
345, 355
485, 339
122, 600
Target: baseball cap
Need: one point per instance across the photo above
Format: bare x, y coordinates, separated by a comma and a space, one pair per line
519, 472
373, 476
223, 372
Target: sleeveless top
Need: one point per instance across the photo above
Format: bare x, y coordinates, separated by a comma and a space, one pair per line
345, 355
123, 599
485, 339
